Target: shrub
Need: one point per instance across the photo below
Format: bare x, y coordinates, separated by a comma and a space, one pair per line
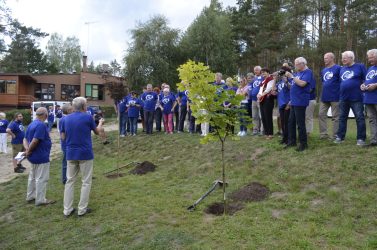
25, 113
108, 111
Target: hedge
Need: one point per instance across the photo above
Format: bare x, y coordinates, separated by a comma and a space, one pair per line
108, 111
25, 113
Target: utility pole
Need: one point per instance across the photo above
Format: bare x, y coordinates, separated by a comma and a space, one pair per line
87, 46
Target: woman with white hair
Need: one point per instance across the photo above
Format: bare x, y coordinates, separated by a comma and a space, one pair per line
167, 104
3, 133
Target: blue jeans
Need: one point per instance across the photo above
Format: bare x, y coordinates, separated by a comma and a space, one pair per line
358, 110
64, 167
297, 117
158, 116
50, 124
148, 119
123, 119
133, 124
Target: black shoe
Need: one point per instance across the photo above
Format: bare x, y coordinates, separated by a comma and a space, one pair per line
290, 145
87, 211
71, 213
20, 166
18, 170
301, 147
283, 142
30, 201
106, 142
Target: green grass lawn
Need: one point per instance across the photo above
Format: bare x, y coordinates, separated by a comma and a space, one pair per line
324, 197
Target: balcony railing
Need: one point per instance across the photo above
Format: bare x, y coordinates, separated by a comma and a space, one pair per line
25, 99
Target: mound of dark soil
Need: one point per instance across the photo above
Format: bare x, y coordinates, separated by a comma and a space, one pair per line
251, 192
218, 208
114, 176
143, 168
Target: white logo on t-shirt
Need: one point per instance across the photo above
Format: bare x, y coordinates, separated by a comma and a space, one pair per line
21, 127
165, 100
328, 76
186, 92
347, 75
148, 97
371, 75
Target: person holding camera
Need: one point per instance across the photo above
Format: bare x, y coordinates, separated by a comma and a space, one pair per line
76, 131
133, 105
266, 101
284, 98
300, 96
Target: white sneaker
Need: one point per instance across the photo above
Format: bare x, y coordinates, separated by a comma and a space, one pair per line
338, 140
360, 143
239, 133
122, 135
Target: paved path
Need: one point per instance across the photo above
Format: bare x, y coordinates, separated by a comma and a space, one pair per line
6, 166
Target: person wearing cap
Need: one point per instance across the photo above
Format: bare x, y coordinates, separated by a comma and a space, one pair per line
37, 144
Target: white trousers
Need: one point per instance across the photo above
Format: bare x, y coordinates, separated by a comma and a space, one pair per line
73, 168
37, 182
3, 142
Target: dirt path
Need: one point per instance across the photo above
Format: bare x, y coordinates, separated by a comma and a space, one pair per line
6, 167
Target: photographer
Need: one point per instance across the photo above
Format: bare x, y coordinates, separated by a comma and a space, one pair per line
284, 98
300, 96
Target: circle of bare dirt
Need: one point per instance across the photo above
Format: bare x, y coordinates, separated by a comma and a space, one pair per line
252, 192
217, 208
143, 168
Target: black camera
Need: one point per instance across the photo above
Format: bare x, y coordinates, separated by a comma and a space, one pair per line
284, 70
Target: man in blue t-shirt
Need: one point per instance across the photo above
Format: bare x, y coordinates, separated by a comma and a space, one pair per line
66, 110
330, 96
300, 96
255, 107
37, 145
51, 118
352, 75
16, 131
76, 131
370, 94
58, 115
149, 99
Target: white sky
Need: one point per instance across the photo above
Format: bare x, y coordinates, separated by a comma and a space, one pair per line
112, 20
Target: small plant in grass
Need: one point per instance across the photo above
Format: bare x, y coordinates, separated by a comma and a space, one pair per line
207, 106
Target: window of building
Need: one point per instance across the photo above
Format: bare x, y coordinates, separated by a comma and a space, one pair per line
44, 91
94, 91
69, 92
7, 87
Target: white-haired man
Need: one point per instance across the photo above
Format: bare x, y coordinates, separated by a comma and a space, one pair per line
370, 95
37, 144
330, 95
255, 107
300, 95
352, 75
76, 131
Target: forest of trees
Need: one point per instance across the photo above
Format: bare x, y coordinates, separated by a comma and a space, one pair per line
230, 40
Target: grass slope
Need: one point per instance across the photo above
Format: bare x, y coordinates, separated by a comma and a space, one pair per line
324, 197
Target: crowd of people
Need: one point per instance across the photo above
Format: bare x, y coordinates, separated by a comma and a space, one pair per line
292, 90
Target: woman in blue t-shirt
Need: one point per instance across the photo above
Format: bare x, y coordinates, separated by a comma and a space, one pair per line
134, 105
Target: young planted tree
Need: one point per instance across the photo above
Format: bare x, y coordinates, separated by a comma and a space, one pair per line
207, 106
